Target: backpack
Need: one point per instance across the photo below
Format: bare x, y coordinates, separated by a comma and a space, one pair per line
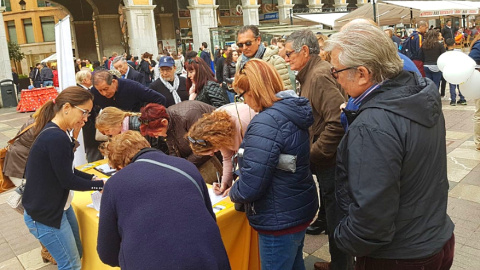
409, 46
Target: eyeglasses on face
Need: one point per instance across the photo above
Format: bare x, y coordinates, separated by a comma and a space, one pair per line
248, 44
85, 113
335, 72
198, 142
289, 53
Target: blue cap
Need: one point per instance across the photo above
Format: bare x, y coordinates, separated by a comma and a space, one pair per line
166, 61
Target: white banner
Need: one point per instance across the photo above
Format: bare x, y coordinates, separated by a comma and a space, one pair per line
65, 64
66, 73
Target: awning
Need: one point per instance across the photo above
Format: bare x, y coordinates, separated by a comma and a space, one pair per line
395, 12
323, 18
52, 57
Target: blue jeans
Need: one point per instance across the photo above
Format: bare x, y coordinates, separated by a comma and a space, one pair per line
282, 251
64, 243
436, 77
47, 83
453, 93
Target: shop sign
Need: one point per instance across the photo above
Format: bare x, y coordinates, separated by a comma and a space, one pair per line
268, 16
435, 13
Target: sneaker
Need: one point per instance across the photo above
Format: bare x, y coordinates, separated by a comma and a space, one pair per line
453, 103
462, 102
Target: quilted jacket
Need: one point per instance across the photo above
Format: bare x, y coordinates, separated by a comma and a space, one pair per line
271, 56
276, 199
213, 94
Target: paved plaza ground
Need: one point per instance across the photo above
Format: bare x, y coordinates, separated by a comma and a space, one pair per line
20, 250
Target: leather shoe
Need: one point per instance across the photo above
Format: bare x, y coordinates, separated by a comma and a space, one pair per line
322, 266
317, 227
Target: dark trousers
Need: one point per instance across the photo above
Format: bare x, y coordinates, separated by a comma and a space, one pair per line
441, 261
326, 180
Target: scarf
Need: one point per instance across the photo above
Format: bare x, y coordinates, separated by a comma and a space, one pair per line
259, 54
173, 88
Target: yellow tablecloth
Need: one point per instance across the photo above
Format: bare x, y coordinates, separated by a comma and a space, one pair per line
240, 240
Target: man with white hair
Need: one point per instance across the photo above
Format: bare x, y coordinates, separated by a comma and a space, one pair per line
84, 79
120, 64
391, 175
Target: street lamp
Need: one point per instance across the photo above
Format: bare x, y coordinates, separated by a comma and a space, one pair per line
22, 4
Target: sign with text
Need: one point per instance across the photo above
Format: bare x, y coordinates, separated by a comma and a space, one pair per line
436, 13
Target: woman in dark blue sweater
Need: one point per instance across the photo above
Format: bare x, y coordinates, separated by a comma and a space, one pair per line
51, 176
156, 212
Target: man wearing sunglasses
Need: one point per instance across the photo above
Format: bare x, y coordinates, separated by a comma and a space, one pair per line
325, 95
250, 42
391, 175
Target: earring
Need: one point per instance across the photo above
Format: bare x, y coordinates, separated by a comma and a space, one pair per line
66, 112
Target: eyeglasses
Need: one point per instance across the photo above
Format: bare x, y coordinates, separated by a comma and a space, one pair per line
289, 53
199, 142
335, 72
248, 44
85, 113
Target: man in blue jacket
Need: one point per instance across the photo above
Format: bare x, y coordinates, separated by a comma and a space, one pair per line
120, 64
391, 176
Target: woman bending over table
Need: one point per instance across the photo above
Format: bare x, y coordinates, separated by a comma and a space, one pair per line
221, 130
162, 222
51, 176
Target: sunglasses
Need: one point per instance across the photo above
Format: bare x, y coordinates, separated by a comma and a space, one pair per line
248, 44
335, 72
192, 60
85, 113
198, 142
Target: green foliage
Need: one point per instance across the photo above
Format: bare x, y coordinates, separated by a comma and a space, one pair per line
22, 76
15, 53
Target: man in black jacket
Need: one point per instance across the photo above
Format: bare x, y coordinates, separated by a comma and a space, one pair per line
128, 72
170, 85
448, 31
391, 175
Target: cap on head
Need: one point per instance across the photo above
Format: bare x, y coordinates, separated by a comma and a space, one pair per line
166, 61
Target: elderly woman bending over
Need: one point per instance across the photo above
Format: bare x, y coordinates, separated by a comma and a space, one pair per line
221, 130
143, 220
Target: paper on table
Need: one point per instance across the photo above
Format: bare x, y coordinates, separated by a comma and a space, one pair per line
213, 197
96, 200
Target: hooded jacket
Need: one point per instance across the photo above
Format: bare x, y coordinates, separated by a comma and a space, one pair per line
277, 199
391, 177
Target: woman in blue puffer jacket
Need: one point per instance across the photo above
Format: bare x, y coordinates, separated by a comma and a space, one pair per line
275, 182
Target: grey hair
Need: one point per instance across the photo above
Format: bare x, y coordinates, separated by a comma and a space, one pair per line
364, 44
102, 76
81, 75
304, 37
117, 59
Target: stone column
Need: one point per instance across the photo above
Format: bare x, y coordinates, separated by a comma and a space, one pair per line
250, 12
361, 3
284, 7
109, 34
142, 36
341, 5
203, 17
85, 42
315, 5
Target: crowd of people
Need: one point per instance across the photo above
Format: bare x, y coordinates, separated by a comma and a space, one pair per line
356, 110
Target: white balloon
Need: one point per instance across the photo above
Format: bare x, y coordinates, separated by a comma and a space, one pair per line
457, 73
471, 88
453, 57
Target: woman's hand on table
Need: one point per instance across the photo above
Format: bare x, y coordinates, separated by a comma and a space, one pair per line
224, 189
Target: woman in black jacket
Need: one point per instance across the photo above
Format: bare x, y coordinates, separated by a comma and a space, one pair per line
146, 67
229, 72
51, 176
432, 49
202, 84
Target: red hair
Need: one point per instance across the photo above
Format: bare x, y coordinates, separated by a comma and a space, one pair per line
203, 73
151, 118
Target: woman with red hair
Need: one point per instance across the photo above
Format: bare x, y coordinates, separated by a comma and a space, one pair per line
203, 85
172, 125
